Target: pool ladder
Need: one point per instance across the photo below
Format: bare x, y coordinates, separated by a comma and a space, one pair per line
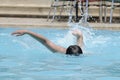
60, 4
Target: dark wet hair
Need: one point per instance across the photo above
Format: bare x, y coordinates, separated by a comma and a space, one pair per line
74, 50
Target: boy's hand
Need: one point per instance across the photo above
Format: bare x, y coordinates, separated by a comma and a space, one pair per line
19, 32
77, 33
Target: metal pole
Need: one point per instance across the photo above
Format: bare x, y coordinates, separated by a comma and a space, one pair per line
100, 12
50, 10
105, 12
76, 7
111, 13
61, 10
55, 10
86, 11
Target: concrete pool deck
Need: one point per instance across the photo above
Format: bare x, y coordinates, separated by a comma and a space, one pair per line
42, 22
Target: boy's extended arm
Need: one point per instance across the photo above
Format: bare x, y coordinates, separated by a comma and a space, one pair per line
49, 44
79, 36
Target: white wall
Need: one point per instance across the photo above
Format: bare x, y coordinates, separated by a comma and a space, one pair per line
37, 2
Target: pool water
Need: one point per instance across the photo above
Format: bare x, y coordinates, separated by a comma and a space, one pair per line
23, 58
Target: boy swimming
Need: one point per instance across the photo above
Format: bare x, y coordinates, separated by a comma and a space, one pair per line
71, 50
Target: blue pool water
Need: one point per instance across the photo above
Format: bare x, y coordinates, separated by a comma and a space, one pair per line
23, 58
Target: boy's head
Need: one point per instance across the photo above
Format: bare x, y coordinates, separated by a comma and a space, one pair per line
74, 50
